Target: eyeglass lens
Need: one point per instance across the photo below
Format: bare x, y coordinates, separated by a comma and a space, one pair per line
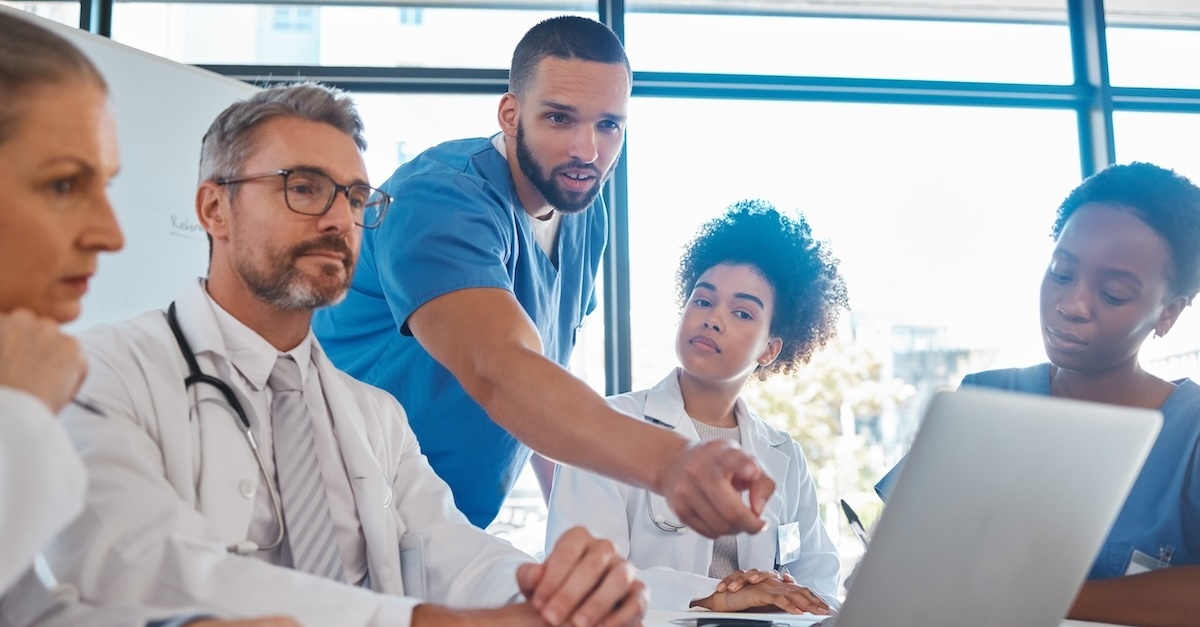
313, 193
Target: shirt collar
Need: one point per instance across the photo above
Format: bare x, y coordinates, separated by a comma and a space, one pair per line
251, 354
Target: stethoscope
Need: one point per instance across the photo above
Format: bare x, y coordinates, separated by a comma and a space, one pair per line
659, 520
195, 376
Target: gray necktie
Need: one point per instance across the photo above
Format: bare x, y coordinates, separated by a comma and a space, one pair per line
305, 505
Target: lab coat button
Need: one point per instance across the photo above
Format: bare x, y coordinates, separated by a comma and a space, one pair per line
246, 487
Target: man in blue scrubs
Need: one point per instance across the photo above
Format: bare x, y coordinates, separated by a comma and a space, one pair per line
466, 300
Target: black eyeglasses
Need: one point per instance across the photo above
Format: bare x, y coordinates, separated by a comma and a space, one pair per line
311, 193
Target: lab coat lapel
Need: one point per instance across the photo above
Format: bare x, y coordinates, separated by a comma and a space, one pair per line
761, 443
227, 485
373, 497
664, 405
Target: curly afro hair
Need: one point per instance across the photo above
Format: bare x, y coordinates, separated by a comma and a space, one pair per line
1165, 201
809, 292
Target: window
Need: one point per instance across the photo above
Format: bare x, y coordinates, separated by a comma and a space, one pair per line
844, 39
1152, 43
942, 238
301, 19
371, 35
61, 12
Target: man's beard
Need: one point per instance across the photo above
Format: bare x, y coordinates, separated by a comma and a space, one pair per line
285, 287
563, 201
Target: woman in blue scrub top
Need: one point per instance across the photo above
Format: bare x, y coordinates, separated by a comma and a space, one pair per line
1125, 265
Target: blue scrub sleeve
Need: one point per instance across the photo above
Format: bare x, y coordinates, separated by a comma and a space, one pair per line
443, 234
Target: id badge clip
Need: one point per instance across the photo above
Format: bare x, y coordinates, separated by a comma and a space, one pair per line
1140, 562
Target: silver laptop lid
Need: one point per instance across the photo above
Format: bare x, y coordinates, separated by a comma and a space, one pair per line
1000, 508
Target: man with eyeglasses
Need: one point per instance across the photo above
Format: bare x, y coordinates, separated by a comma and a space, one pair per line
234, 469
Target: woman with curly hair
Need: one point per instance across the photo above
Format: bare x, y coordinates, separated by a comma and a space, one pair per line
760, 295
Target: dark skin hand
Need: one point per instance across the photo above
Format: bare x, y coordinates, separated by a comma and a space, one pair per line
1167, 597
762, 591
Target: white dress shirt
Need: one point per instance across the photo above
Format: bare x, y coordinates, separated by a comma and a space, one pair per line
253, 358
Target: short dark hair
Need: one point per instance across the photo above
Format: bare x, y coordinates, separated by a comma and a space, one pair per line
1167, 202
809, 291
32, 56
563, 37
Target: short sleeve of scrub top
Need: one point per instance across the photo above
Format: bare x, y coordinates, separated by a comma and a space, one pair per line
442, 234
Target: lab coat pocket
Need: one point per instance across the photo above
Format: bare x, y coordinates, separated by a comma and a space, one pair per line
412, 565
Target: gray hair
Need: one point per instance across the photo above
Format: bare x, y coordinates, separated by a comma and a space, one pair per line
32, 56
230, 140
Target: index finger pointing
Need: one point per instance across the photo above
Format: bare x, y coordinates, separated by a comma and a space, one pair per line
740, 472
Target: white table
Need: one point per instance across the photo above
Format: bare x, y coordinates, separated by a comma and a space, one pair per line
660, 618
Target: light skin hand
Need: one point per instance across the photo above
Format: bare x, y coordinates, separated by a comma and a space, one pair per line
703, 485
37, 358
268, 621
584, 582
768, 594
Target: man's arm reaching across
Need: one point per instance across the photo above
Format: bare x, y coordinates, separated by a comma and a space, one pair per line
1167, 597
498, 360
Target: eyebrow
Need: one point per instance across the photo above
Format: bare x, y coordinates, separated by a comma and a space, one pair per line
320, 170
741, 295
69, 159
566, 108
1107, 273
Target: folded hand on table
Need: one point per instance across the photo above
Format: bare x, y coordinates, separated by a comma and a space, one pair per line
755, 590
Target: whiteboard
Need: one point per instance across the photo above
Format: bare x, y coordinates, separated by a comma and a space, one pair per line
163, 109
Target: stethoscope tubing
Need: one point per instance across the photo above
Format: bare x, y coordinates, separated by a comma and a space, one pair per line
196, 377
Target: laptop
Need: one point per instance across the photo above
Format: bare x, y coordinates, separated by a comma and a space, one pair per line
999, 511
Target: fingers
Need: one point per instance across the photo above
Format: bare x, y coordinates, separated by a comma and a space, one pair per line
620, 599
585, 581
740, 578
761, 488
38, 358
528, 576
704, 485
772, 592
555, 570
632, 609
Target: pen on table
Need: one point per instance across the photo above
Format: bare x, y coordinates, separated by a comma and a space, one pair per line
856, 524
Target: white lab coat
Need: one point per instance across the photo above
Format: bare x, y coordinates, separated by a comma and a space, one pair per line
42, 481
42, 488
173, 483
675, 565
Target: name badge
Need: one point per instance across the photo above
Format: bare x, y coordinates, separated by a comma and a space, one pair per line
1140, 562
788, 543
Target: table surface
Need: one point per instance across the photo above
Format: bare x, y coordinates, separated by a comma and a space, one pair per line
661, 618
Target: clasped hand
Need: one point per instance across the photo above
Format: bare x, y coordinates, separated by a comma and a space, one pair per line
584, 582
757, 590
